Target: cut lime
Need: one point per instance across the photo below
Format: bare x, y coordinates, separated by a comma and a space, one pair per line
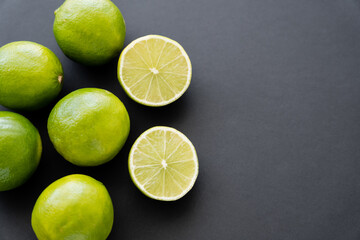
154, 70
163, 164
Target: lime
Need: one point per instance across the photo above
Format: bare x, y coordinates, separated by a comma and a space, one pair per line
163, 164
20, 150
90, 32
73, 207
154, 70
30, 75
89, 126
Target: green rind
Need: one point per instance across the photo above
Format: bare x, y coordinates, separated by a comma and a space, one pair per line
89, 126
73, 207
30, 76
20, 150
144, 192
144, 103
91, 32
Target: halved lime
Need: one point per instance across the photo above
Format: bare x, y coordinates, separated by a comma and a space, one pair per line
163, 164
154, 70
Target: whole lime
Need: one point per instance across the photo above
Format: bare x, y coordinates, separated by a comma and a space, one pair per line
20, 150
89, 126
90, 32
73, 207
30, 75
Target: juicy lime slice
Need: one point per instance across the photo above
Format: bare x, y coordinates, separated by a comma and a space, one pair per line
163, 164
154, 70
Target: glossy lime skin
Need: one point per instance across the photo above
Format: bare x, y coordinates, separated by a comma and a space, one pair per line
20, 150
89, 126
30, 76
73, 207
91, 32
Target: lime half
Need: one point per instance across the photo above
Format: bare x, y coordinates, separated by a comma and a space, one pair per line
154, 70
163, 164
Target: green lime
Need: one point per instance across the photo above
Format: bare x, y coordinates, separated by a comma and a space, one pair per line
154, 70
30, 75
89, 126
74, 207
20, 150
163, 164
90, 32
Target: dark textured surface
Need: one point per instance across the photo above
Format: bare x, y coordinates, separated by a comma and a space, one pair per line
273, 111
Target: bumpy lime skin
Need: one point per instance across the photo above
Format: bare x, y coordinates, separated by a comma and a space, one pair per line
91, 32
20, 150
73, 207
31, 76
89, 126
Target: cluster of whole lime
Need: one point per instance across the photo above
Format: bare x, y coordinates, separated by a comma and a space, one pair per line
89, 126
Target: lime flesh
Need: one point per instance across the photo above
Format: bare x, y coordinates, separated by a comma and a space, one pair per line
74, 207
163, 164
154, 70
89, 126
20, 150
31, 76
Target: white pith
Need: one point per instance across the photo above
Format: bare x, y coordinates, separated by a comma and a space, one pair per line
163, 163
154, 70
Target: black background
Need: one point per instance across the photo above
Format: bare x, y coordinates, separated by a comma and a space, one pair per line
273, 111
